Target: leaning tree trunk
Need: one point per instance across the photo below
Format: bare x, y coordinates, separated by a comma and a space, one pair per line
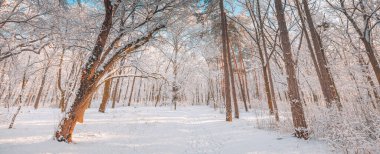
91, 76
311, 50
331, 95
372, 58
366, 74
298, 114
19, 98
87, 82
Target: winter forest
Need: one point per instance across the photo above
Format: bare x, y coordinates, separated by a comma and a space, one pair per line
190, 76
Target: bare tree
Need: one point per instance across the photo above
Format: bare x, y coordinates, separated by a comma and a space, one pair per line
370, 18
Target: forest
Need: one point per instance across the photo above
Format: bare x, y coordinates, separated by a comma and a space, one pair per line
190, 76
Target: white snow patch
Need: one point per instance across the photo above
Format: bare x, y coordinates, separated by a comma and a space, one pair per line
150, 130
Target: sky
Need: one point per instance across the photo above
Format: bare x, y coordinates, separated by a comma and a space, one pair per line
237, 8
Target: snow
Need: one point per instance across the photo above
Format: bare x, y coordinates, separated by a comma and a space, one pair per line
195, 129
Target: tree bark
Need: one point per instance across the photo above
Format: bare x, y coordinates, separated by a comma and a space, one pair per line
298, 115
225, 63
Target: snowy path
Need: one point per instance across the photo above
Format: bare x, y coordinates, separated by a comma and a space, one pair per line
190, 130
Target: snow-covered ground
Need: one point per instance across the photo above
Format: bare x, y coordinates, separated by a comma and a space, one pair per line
150, 130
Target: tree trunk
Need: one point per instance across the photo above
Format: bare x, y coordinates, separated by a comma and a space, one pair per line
126, 91
106, 95
266, 81
331, 96
259, 36
311, 50
139, 92
267, 66
175, 86
39, 94
91, 73
236, 106
114, 93
67, 124
298, 115
372, 58
257, 93
246, 85
132, 87
59, 84
158, 97
19, 98
118, 97
225, 63
367, 75
239, 73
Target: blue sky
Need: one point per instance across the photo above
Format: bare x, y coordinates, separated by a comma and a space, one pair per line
87, 2
237, 8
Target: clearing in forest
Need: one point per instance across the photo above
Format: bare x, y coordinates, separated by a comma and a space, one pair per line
195, 129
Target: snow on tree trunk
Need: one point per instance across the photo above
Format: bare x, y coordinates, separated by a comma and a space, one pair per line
298, 114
